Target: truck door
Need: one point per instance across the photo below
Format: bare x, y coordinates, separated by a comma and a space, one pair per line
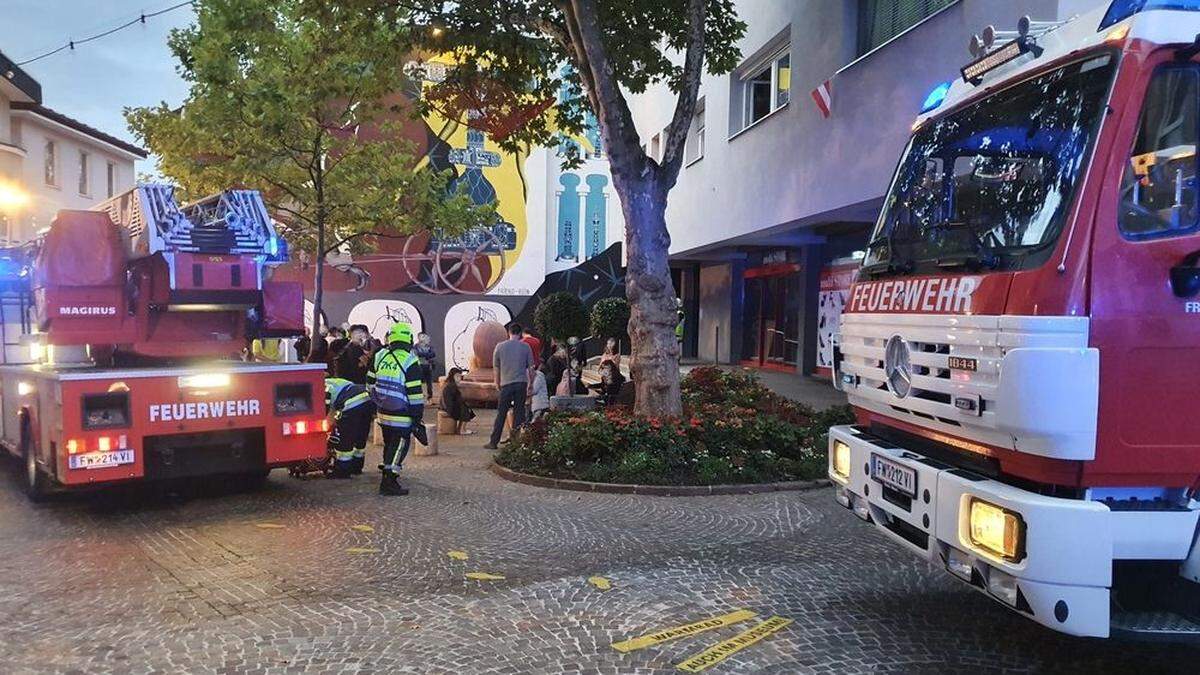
1147, 330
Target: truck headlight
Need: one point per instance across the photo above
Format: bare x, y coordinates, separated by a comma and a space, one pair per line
204, 381
841, 458
996, 530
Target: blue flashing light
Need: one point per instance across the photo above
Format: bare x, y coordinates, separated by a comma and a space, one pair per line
1120, 10
935, 97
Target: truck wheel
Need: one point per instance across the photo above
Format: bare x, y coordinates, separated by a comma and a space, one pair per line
37, 485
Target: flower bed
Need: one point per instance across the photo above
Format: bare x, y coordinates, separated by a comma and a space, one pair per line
734, 430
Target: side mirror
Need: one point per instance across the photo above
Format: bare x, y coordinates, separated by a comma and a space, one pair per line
1185, 281
1185, 277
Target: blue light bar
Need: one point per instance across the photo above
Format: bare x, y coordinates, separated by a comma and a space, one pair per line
935, 97
1120, 10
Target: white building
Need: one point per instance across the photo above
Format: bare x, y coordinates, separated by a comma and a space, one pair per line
49, 161
798, 190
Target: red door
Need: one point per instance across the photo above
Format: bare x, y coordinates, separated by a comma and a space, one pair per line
1148, 333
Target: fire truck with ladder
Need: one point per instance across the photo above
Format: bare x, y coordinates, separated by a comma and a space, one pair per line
1022, 342
124, 328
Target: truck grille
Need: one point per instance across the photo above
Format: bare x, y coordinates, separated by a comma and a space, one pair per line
932, 341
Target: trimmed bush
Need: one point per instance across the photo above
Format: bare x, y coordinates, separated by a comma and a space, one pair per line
560, 315
734, 430
610, 318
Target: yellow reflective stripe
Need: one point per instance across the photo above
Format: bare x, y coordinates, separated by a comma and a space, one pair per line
356, 400
343, 456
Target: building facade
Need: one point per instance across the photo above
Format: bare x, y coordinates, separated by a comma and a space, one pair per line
49, 161
798, 145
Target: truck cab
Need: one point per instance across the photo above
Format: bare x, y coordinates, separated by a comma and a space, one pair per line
1022, 342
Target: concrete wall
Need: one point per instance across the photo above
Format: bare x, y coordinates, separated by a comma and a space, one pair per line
794, 166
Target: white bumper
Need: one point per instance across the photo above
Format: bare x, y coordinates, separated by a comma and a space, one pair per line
1064, 577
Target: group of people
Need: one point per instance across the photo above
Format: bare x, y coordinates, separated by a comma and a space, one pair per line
372, 381
368, 382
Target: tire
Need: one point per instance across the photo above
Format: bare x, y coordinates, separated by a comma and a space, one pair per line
35, 481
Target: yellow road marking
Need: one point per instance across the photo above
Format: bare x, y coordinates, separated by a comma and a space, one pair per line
484, 576
682, 631
269, 526
722, 650
362, 528
359, 549
458, 555
600, 582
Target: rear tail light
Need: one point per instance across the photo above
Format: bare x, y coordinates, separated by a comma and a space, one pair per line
304, 427
104, 444
74, 445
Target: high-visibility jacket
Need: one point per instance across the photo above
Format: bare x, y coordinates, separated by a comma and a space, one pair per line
394, 381
342, 395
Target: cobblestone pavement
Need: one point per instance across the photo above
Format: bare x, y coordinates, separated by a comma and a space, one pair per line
142, 582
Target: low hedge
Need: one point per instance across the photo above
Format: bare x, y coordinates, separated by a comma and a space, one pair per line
733, 430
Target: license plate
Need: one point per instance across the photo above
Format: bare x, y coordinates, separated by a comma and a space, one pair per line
963, 363
891, 474
100, 460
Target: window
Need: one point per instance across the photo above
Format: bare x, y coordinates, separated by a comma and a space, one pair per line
51, 168
694, 149
1158, 190
84, 183
111, 179
766, 89
882, 20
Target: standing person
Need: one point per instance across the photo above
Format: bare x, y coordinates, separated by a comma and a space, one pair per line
337, 343
318, 352
351, 363
425, 352
394, 381
303, 345
453, 403
539, 402
352, 411
556, 365
512, 365
535, 346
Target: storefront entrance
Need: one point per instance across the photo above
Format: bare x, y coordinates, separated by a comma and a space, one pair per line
772, 312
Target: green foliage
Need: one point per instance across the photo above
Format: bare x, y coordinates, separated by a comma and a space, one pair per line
520, 45
733, 430
560, 315
610, 318
298, 99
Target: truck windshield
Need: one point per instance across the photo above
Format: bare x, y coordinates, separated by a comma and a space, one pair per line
990, 184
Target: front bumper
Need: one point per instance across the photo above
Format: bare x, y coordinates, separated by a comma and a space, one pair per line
1064, 577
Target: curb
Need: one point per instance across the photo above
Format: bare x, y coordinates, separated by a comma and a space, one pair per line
655, 490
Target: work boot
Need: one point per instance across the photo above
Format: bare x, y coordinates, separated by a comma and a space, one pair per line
390, 485
342, 469
356, 465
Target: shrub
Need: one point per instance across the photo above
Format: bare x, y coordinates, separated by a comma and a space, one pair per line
733, 430
610, 318
560, 315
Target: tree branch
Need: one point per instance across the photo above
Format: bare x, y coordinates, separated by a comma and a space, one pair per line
685, 105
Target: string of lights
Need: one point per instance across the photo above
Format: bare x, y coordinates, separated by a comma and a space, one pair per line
72, 44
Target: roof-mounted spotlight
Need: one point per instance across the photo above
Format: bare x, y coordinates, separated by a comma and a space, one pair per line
988, 36
1023, 25
975, 46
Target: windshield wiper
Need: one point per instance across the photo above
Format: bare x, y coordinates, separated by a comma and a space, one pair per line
890, 264
981, 256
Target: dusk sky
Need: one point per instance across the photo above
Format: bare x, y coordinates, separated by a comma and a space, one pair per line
96, 81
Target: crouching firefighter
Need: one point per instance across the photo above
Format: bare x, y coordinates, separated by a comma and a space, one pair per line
396, 385
352, 410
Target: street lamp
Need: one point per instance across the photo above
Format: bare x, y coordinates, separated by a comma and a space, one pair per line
12, 197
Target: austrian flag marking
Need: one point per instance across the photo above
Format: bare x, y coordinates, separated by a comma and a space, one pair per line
823, 96
940, 295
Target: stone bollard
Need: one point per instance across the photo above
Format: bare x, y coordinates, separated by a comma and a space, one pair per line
420, 450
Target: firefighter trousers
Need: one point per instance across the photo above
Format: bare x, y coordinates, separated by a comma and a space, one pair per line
396, 442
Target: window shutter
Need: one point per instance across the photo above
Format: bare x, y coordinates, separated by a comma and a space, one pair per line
882, 20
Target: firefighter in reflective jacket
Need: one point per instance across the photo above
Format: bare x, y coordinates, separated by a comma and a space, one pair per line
395, 382
352, 410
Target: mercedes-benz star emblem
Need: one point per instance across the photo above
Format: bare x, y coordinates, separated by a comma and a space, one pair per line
896, 366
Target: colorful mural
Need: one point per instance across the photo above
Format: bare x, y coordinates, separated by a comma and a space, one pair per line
461, 321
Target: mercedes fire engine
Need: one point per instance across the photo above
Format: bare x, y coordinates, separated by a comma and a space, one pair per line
124, 329
1022, 343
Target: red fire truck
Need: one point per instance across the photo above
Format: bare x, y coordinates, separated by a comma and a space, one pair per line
123, 331
1022, 343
